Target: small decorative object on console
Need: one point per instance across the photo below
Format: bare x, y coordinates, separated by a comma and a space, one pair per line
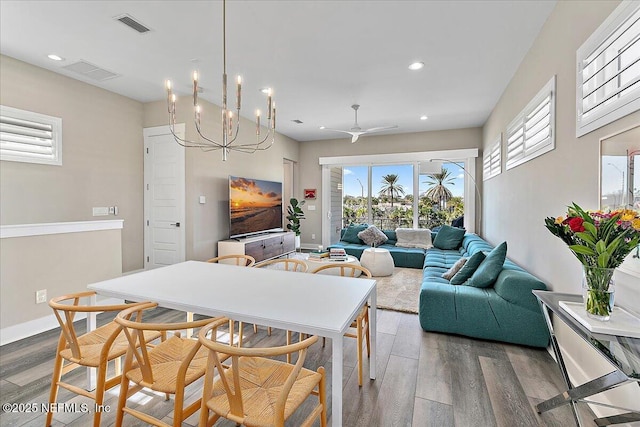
600, 241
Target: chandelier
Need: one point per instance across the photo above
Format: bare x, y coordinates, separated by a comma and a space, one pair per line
230, 129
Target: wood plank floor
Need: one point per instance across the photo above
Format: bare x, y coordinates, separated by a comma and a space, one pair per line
423, 379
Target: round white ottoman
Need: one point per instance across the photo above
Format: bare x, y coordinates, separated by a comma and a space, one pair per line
378, 261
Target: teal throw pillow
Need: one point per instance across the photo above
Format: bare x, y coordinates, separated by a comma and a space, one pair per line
351, 234
449, 237
468, 269
490, 268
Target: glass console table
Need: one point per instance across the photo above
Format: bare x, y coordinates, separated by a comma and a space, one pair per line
622, 353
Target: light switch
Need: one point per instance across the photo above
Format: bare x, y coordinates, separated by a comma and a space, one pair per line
101, 211
203, 200
312, 207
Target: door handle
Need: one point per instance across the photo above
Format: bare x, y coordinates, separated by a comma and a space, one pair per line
177, 224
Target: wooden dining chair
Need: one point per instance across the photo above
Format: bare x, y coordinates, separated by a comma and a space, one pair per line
361, 323
234, 259
94, 349
167, 368
286, 264
257, 390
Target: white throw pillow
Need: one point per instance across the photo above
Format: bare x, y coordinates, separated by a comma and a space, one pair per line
454, 269
414, 238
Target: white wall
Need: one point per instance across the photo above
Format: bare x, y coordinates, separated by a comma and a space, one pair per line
517, 201
101, 155
207, 175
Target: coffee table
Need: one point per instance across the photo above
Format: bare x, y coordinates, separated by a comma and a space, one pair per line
315, 263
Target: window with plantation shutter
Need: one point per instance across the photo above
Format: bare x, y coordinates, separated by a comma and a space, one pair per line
492, 159
532, 132
608, 70
30, 137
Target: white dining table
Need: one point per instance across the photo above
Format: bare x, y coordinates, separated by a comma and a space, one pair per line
314, 304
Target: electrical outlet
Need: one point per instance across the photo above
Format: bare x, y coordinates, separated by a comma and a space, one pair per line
41, 296
313, 237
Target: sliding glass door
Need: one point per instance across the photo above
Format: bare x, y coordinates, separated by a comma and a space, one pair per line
409, 190
441, 196
385, 196
392, 196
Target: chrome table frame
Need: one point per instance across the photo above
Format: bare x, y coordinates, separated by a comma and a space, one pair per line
626, 369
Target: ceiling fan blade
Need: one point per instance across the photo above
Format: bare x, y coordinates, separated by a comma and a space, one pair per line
339, 130
380, 129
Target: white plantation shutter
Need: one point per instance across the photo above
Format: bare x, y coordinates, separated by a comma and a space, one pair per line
608, 70
492, 159
30, 137
532, 132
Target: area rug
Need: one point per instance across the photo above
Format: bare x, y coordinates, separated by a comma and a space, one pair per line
398, 292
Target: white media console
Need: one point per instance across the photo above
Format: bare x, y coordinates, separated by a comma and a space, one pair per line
261, 247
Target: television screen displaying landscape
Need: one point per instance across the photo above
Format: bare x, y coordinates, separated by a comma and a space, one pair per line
254, 206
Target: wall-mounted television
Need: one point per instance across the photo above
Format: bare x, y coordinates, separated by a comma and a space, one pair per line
255, 206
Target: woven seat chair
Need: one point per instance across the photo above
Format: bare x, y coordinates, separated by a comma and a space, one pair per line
94, 349
361, 323
257, 390
168, 368
286, 264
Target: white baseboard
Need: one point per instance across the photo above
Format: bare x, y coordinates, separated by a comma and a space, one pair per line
33, 327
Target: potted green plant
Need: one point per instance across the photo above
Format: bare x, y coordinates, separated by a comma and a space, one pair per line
295, 214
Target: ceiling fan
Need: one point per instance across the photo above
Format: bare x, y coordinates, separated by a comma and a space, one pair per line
356, 131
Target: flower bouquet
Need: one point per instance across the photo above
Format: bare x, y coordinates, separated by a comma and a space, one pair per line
600, 241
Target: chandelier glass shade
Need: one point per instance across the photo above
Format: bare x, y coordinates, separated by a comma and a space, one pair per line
230, 121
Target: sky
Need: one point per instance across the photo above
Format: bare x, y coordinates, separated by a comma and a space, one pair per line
351, 175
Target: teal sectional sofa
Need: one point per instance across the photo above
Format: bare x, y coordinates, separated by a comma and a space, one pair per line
506, 311
402, 257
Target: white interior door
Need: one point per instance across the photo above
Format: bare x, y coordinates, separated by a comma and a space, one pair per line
164, 197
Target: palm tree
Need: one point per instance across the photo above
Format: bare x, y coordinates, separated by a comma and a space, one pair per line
391, 187
438, 191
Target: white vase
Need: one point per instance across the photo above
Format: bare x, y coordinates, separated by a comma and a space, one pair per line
297, 240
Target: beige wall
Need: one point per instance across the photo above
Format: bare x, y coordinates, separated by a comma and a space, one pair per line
101, 155
59, 263
310, 152
207, 175
517, 201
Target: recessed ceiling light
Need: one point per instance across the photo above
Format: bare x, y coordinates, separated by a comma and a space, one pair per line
55, 57
321, 127
424, 117
265, 90
416, 66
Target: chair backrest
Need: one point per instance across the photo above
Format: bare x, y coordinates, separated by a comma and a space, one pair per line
65, 308
347, 270
240, 260
234, 391
134, 328
288, 264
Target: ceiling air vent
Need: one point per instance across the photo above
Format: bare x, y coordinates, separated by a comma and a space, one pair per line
91, 71
131, 22
297, 121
